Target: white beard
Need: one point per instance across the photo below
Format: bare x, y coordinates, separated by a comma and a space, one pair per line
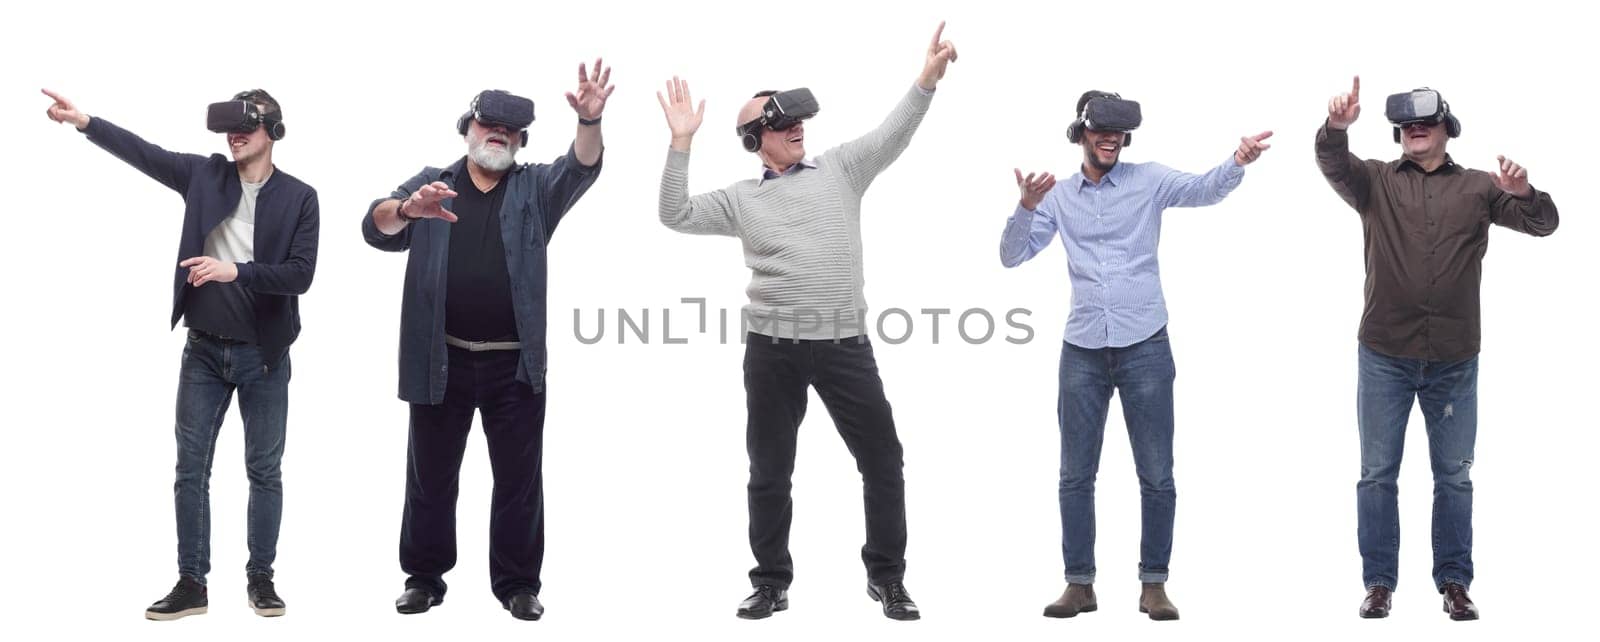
491, 158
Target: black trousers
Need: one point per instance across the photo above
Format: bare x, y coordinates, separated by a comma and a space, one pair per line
513, 426
777, 374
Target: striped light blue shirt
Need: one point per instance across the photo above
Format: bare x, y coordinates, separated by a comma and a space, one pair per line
1111, 230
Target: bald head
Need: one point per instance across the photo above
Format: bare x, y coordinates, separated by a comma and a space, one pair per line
779, 149
751, 110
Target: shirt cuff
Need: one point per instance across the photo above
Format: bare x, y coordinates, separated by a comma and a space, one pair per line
1234, 168
925, 92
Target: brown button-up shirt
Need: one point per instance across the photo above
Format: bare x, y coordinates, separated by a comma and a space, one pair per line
1426, 234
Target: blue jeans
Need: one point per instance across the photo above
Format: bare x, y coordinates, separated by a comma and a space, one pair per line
1142, 375
212, 370
1448, 391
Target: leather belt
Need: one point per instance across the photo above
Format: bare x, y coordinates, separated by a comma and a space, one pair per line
481, 346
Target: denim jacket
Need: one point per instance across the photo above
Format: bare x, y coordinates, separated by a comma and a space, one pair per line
537, 196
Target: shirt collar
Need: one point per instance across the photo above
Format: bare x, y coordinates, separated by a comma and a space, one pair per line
767, 174
1448, 165
459, 168
1112, 177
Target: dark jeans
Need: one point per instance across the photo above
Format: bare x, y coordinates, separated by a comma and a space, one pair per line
513, 426
1142, 375
1448, 391
776, 378
212, 370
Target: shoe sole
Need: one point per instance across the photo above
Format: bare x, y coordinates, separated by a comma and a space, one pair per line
266, 612
432, 602
903, 617
751, 615
1156, 617
164, 617
1062, 615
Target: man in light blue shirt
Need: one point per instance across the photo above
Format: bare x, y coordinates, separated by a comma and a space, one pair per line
1109, 218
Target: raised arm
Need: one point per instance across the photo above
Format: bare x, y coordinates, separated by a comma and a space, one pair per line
1349, 176
168, 168
864, 158
589, 102
703, 213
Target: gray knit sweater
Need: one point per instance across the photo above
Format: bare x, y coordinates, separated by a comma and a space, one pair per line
801, 231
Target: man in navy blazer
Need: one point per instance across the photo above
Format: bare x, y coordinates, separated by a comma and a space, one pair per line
248, 250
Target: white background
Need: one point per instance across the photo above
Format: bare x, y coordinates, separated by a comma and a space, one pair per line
644, 462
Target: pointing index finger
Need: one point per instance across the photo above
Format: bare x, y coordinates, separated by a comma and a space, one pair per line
1355, 88
934, 46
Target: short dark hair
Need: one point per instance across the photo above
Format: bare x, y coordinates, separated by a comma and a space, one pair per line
261, 97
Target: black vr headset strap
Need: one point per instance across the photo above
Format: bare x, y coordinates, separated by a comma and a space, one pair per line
271, 120
750, 132
1075, 130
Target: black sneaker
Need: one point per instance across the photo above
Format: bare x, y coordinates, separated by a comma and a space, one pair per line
188, 597
264, 597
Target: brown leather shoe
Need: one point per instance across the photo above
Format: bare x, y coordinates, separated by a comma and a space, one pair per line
1153, 600
1377, 603
1078, 598
1457, 604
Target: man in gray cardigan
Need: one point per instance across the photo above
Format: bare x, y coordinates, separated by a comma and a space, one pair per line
801, 227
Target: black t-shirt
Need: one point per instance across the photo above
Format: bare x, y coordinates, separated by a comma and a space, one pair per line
222, 309
477, 301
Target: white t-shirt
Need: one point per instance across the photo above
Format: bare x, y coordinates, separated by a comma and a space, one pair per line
233, 240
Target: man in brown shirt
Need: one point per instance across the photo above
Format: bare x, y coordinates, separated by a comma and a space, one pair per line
1426, 225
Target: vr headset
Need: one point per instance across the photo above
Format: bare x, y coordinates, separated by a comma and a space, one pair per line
242, 116
501, 108
1420, 106
1106, 113
784, 109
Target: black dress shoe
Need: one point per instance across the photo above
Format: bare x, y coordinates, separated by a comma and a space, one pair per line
264, 598
188, 597
525, 606
765, 601
1457, 604
897, 604
1376, 605
416, 600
